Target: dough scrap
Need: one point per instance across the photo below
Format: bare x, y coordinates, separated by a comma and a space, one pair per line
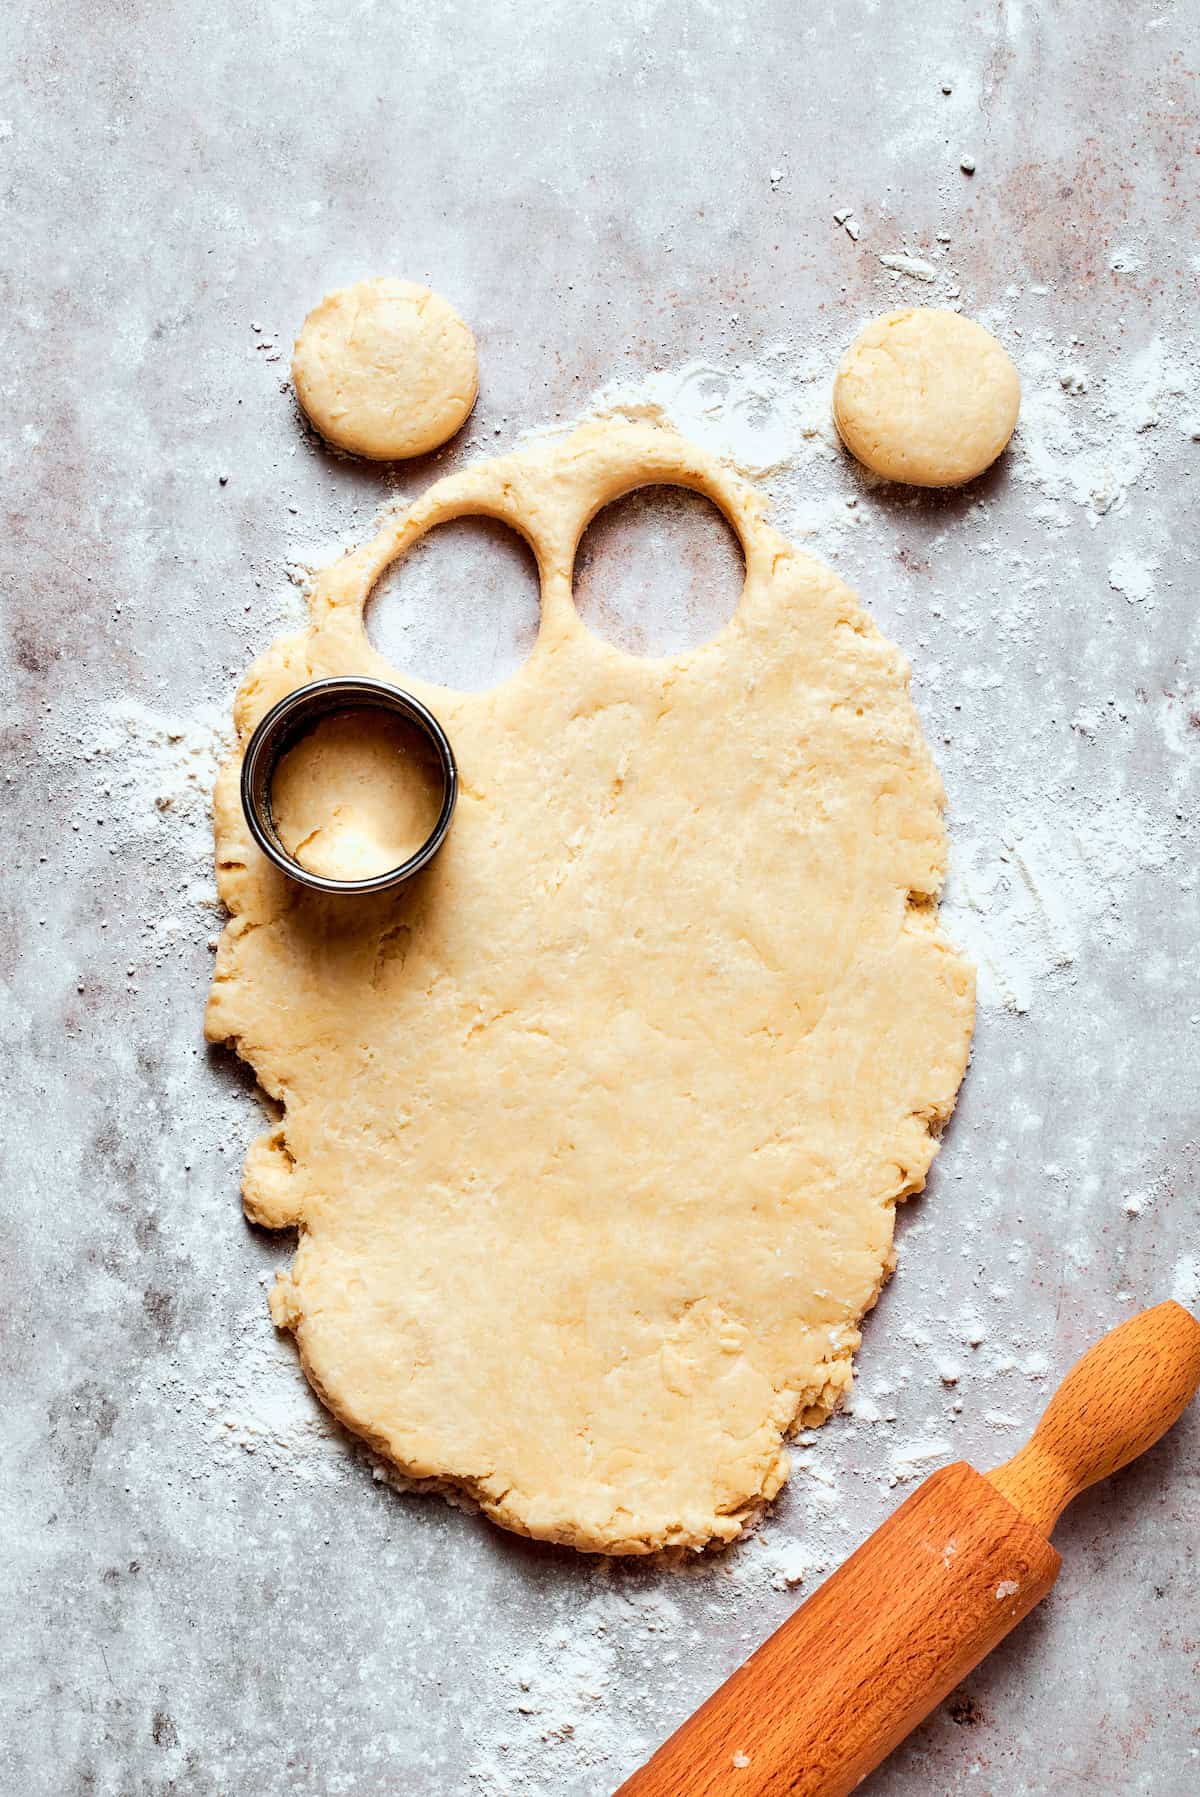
927, 397
385, 369
594, 1132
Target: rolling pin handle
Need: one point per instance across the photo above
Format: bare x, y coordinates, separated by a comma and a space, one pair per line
1115, 1402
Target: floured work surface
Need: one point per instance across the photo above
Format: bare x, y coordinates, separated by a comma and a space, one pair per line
593, 1133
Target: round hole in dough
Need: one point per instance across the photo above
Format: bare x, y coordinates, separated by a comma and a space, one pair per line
385, 369
658, 571
926, 396
461, 606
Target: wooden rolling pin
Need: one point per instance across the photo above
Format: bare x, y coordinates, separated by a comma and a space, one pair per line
933, 1590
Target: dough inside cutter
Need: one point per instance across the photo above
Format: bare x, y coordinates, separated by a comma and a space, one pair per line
357, 795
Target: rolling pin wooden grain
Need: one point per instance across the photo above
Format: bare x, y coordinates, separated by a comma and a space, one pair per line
932, 1591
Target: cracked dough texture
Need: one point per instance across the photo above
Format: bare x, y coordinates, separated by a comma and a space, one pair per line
593, 1134
385, 369
927, 397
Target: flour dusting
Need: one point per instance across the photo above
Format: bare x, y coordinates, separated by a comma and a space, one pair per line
249, 1397
136, 780
1046, 888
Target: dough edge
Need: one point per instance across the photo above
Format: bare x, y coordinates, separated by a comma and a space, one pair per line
512, 1510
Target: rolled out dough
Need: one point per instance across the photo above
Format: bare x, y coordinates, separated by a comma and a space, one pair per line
593, 1134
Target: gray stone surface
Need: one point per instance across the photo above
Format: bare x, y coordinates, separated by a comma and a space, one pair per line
205, 1588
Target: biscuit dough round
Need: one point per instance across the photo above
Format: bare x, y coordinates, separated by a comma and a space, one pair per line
357, 795
594, 1132
927, 397
385, 369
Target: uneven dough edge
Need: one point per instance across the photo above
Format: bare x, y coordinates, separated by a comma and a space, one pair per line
512, 1511
273, 1186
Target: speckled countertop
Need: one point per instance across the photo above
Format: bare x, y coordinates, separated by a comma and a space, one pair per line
206, 1588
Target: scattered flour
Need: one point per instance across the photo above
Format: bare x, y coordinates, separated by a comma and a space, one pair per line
769, 419
916, 266
761, 416
915, 1459
145, 782
160, 767
248, 1397
1027, 902
551, 1705
1186, 1287
1085, 440
791, 1564
1134, 577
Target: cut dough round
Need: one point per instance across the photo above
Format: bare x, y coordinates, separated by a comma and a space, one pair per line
594, 1132
358, 795
927, 397
385, 369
